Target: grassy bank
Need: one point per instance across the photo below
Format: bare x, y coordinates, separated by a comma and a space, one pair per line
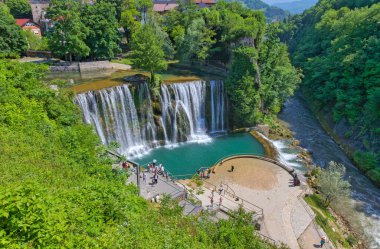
329, 223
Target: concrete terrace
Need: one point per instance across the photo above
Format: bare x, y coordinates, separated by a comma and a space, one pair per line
148, 190
256, 185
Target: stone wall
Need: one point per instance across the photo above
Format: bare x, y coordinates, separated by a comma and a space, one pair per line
38, 9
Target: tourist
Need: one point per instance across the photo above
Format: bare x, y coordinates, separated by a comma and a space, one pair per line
296, 181
232, 168
144, 177
323, 241
212, 201
212, 192
220, 200
220, 189
156, 178
162, 170
167, 176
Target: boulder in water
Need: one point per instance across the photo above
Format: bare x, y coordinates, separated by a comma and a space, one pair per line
136, 78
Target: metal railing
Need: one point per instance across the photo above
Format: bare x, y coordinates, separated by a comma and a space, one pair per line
245, 155
248, 206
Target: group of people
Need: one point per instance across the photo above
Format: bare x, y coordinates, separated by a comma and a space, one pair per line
156, 170
204, 174
220, 191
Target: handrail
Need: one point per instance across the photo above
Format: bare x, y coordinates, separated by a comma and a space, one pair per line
260, 211
237, 155
264, 237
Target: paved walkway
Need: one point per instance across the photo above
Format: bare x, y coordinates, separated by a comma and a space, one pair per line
269, 187
148, 190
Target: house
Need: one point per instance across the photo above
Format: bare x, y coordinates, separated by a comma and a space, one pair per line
205, 3
162, 6
28, 24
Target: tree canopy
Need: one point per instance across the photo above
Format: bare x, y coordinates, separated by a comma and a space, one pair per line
12, 40
337, 45
19, 8
147, 49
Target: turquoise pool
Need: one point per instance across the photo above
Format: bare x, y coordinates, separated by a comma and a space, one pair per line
186, 158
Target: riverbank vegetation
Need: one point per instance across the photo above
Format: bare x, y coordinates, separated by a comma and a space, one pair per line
329, 223
336, 43
331, 191
57, 188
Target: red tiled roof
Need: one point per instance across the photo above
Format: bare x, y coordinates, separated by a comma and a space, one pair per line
161, 7
205, 1
22, 22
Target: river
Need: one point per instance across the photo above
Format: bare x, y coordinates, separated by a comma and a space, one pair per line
365, 199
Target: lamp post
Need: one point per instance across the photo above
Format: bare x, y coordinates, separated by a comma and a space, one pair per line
138, 177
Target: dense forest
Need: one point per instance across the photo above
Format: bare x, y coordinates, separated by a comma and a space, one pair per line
337, 45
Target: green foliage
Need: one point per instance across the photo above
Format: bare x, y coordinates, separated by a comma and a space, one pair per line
147, 50
197, 41
329, 223
58, 190
35, 42
67, 39
12, 40
103, 37
260, 82
84, 30
278, 76
272, 13
242, 92
19, 8
366, 161
331, 183
337, 45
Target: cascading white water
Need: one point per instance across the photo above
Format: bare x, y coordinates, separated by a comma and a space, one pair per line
183, 110
218, 106
117, 116
113, 113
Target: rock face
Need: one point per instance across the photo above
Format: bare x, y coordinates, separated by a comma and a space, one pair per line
136, 78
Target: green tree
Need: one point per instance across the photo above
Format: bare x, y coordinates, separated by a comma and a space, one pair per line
12, 40
19, 8
67, 39
147, 50
278, 76
332, 184
197, 41
130, 17
242, 90
35, 42
103, 36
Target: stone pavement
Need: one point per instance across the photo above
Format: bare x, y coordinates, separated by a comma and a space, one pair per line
148, 190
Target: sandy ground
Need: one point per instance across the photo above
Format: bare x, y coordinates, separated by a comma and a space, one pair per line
269, 187
248, 172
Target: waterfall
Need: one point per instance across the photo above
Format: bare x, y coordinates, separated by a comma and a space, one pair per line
218, 106
130, 119
183, 110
